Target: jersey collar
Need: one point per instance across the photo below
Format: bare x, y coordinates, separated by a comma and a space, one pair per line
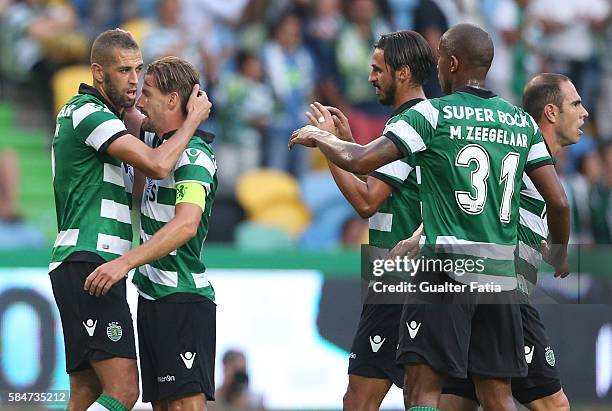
479, 92
406, 106
92, 91
203, 135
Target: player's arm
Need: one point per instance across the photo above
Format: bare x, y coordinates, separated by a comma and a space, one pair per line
132, 118
367, 196
548, 185
191, 199
157, 163
351, 157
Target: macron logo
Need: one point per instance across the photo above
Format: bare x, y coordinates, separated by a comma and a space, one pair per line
529, 353
188, 359
376, 343
90, 326
413, 328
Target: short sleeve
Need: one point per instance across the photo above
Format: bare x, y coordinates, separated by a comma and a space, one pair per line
196, 166
538, 154
412, 131
97, 126
394, 174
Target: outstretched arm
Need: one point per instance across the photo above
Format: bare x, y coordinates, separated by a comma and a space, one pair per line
157, 163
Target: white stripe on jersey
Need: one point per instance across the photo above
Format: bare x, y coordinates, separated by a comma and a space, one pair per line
453, 245
168, 278
103, 132
533, 222
67, 238
115, 211
113, 244
83, 112
158, 212
429, 112
200, 280
381, 222
53, 266
146, 237
397, 169
113, 175
198, 158
530, 189
408, 134
537, 151
532, 256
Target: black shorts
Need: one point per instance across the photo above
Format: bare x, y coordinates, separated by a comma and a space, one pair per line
542, 379
375, 344
176, 340
94, 328
456, 333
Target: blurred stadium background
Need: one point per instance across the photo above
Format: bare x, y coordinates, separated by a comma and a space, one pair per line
283, 248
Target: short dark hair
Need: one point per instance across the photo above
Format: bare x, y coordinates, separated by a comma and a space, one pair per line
104, 45
470, 44
231, 355
173, 74
543, 89
408, 48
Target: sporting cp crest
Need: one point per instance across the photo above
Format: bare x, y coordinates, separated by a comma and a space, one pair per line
550, 356
114, 332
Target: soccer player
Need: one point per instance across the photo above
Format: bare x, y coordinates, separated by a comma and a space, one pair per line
553, 101
472, 147
401, 62
93, 218
176, 309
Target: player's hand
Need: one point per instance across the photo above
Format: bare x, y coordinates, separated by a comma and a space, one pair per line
406, 248
305, 136
198, 105
342, 124
556, 256
321, 118
102, 279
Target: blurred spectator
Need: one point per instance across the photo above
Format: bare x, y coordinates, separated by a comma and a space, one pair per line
353, 52
14, 231
578, 188
600, 200
321, 32
9, 185
568, 43
245, 106
37, 36
354, 232
289, 67
603, 110
168, 37
510, 69
234, 392
99, 15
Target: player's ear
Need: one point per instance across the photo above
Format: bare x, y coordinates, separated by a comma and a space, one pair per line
454, 64
174, 101
97, 73
550, 112
404, 73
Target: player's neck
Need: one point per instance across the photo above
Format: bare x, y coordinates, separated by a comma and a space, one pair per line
407, 95
171, 123
108, 100
469, 81
551, 141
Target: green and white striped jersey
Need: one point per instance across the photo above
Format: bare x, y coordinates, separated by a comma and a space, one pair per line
532, 229
400, 214
92, 206
182, 270
472, 147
